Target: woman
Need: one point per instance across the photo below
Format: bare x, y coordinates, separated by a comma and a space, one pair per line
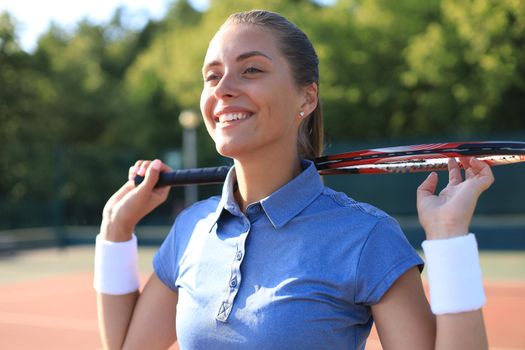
279, 261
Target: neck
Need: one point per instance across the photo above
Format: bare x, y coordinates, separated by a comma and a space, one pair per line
259, 177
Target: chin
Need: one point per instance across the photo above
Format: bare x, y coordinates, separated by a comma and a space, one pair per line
228, 152
226, 149
234, 150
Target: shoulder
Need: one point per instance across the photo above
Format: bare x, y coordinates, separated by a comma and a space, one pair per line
166, 260
344, 220
347, 208
198, 211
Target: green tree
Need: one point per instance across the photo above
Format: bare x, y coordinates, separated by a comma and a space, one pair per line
468, 70
24, 94
25, 136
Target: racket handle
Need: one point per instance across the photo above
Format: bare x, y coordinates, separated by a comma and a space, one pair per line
183, 177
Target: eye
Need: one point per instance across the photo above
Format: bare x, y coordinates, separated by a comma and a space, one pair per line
211, 77
252, 70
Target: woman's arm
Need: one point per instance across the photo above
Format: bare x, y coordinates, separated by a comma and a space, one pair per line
403, 317
130, 319
133, 321
404, 321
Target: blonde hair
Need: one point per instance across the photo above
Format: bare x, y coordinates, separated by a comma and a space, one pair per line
300, 53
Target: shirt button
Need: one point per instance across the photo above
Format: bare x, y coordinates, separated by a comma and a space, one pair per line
233, 282
238, 256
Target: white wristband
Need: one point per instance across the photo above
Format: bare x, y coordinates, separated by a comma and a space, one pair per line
116, 266
454, 274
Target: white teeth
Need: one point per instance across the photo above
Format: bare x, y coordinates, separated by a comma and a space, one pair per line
228, 117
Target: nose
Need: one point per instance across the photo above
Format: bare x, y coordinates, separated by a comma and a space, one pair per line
226, 87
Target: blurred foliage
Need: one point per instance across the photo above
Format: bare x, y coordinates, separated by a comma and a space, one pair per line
79, 110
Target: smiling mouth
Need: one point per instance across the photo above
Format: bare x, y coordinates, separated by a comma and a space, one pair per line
231, 117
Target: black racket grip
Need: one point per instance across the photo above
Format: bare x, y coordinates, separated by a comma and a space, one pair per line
198, 176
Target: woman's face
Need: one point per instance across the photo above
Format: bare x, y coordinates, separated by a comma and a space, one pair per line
249, 102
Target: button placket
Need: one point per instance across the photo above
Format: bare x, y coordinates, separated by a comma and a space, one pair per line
238, 255
235, 277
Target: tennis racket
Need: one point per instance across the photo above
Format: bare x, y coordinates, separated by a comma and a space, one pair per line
390, 160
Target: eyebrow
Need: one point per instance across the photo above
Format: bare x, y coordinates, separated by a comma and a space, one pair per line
241, 57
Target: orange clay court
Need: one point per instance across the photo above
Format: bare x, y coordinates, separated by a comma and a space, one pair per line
47, 302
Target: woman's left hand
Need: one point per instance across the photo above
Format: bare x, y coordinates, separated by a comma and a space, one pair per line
449, 213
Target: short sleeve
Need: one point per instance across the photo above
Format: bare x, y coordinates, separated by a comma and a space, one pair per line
165, 260
385, 256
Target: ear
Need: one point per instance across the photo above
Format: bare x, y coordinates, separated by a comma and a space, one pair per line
310, 99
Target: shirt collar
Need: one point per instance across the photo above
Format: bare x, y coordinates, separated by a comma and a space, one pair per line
282, 205
288, 201
227, 201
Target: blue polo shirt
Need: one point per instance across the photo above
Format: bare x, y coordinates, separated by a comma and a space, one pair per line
299, 270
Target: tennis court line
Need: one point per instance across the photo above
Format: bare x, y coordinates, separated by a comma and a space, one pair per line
43, 321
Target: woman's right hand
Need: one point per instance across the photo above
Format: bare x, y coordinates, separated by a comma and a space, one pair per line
131, 203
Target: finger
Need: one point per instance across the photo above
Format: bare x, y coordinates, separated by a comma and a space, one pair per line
427, 187
164, 190
454, 172
164, 168
133, 170
477, 165
151, 174
138, 163
483, 172
143, 167
465, 163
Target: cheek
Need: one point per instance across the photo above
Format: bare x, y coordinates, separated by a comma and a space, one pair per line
283, 106
206, 106
204, 98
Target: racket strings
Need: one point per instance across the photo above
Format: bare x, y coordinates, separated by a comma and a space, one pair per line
417, 165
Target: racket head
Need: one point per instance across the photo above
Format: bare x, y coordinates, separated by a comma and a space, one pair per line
420, 158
